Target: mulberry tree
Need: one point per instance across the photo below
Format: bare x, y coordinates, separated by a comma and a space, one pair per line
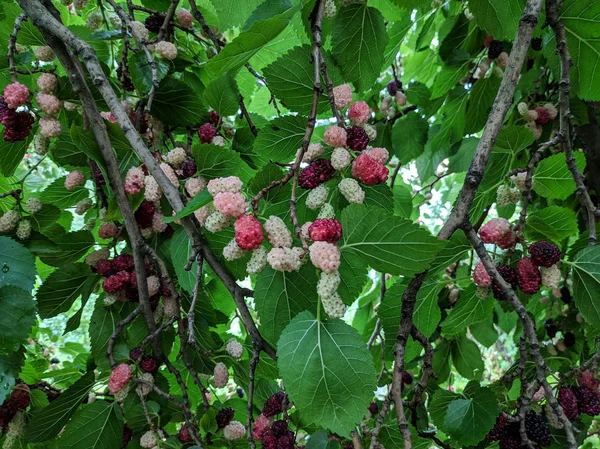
299, 224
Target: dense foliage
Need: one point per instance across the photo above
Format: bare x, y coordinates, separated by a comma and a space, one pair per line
299, 223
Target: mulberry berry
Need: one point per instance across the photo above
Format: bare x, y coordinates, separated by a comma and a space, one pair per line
500, 429
369, 171
224, 416
551, 328
495, 48
277, 232
108, 231
216, 222
231, 184
154, 22
232, 251
507, 241
248, 232
340, 158
342, 95
334, 306
373, 408
274, 405
481, 276
494, 230
15, 95
119, 377
335, 136
551, 110
17, 126
258, 261
351, 190
287, 441
221, 375
316, 173
550, 276
328, 284
184, 435
279, 428
184, 18
189, 169
124, 262
359, 113
74, 180
587, 379
544, 254
543, 116
356, 138
9, 221
23, 230
537, 429
283, 259
149, 363
166, 50
509, 274
230, 204
568, 402
206, 133
218, 141
569, 339
19, 398
235, 430
49, 127
400, 99
176, 156
105, 268
148, 440
262, 425
44, 54
325, 230
314, 151
317, 196
380, 155
528, 275
393, 86
49, 103
325, 256
47, 82
194, 186
234, 348
145, 214
116, 282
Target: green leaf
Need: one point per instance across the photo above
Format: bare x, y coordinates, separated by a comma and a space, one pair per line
17, 316
480, 103
181, 249
60, 290
201, 199
467, 417
12, 154
552, 178
234, 12
499, 19
17, 265
469, 310
446, 80
467, 359
337, 377
57, 195
223, 96
453, 126
354, 275
280, 139
70, 247
280, 296
291, 79
461, 161
266, 10
582, 26
409, 135
102, 324
403, 203
553, 223
397, 32
388, 244
95, 426
176, 103
214, 161
48, 422
586, 284
359, 40
441, 363
141, 71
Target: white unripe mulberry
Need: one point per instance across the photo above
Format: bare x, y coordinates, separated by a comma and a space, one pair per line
33, 205
552, 111
506, 195
153, 285
216, 222
234, 348
328, 284
148, 440
235, 430
277, 232
47, 82
148, 384
110, 299
158, 224
550, 276
176, 156
9, 221
231, 184
340, 158
522, 108
352, 191
202, 214
152, 191
232, 251
95, 256
519, 181
334, 306
166, 50
139, 29
115, 21
23, 230
400, 98
218, 141
44, 54
326, 211
258, 261
41, 144
94, 20
314, 151
305, 230
193, 186
83, 206
371, 132
330, 9
284, 259
221, 375
317, 197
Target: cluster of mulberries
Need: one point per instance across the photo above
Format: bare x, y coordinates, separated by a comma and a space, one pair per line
17, 125
507, 431
584, 398
18, 400
536, 118
215, 131
395, 94
271, 433
9, 221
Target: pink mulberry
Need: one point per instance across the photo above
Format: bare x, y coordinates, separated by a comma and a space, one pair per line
248, 232
134, 180
49, 127
528, 275
380, 155
543, 116
325, 256
230, 204
15, 95
221, 375
335, 136
108, 231
507, 241
494, 230
481, 276
325, 230
261, 425
74, 180
369, 171
359, 113
185, 18
49, 103
47, 82
119, 377
342, 95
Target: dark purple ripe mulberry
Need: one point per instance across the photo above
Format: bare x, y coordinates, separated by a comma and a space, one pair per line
510, 275
356, 138
587, 400
551, 328
315, 174
224, 416
279, 428
495, 48
544, 254
536, 43
393, 87
537, 429
188, 168
154, 22
568, 401
17, 126
274, 404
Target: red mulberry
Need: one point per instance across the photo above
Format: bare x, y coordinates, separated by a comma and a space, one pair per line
17, 126
543, 116
493, 230
587, 379
356, 138
105, 268
274, 405
325, 230
316, 173
248, 232
149, 364
116, 282
119, 377
184, 435
568, 401
124, 262
528, 275
481, 276
279, 428
224, 416
19, 398
359, 113
544, 254
369, 171
206, 133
